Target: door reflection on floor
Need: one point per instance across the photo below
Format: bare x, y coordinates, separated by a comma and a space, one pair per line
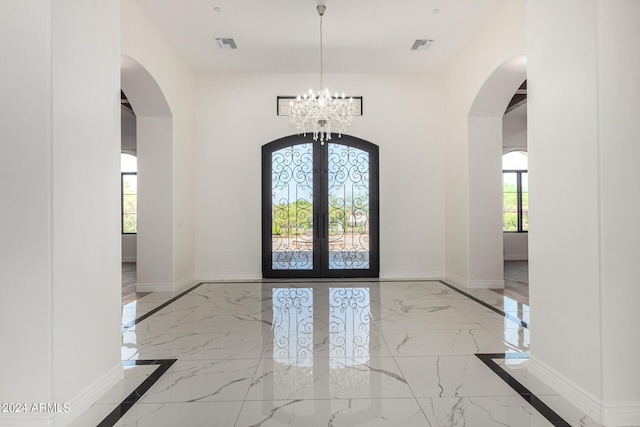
321, 342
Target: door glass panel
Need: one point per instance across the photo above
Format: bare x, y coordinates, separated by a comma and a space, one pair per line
292, 208
348, 213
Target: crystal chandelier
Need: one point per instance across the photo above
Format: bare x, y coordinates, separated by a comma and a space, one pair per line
317, 112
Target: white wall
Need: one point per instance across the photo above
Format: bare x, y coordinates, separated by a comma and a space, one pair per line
236, 115
173, 80
155, 244
129, 248
591, 146
501, 40
61, 104
516, 246
486, 264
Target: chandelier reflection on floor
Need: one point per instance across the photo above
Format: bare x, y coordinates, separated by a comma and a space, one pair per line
317, 112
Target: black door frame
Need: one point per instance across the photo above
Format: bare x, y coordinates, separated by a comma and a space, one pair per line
320, 206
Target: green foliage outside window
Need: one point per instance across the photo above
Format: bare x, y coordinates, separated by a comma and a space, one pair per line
129, 203
294, 219
510, 196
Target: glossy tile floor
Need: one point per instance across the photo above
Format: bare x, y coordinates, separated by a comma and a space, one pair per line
328, 354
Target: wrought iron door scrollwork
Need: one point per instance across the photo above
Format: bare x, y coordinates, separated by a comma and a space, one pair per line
349, 324
292, 208
320, 208
292, 340
348, 188
292, 323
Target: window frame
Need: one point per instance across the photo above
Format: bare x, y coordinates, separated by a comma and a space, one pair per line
122, 212
518, 173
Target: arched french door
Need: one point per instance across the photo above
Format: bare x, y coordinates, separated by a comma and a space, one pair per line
320, 208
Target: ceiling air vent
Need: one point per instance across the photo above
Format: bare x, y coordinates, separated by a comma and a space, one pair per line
421, 44
226, 43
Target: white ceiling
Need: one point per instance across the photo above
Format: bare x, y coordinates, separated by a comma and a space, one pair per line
360, 36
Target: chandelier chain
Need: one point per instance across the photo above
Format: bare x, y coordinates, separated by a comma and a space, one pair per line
321, 57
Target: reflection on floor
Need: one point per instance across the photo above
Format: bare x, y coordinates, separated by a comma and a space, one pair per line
516, 281
328, 354
129, 278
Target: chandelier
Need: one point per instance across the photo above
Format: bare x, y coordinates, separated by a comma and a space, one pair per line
317, 112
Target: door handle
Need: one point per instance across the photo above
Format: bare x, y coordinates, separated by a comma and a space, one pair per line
317, 224
324, 225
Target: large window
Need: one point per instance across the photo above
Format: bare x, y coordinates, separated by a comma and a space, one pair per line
129, 186
515, 192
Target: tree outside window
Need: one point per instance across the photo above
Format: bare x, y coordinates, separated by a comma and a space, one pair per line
515, 192
129, 186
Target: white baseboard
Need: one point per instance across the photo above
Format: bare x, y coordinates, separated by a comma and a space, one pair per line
213, 278
129, 259
403, 276
463, 283
516, 257
77, 405
154, 287
165, 287
411, 275
485, 284
606, 413
184, 282
456, 280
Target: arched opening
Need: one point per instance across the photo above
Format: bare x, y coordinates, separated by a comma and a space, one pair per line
486, 245
154, 202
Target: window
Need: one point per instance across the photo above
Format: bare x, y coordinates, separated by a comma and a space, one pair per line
515, 192
129, 191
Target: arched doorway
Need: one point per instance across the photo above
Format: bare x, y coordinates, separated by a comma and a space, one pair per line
154, 151
320, 208
485, 121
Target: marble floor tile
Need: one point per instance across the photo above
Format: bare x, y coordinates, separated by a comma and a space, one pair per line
199, 346
194, 414
491, 319
568, 412
368, 343
334, 413
217, 322
518, 337
344, 378
327, 353
482, 412
203, 381
450, 319
133, 377
452, 342
452, 376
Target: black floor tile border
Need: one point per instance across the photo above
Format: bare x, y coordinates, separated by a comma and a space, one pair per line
544, 410
131, 324
115, 415
490, 307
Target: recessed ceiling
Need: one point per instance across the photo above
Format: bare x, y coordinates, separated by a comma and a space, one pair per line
360, 36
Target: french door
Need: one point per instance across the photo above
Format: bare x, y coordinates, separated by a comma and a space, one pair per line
320, 208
